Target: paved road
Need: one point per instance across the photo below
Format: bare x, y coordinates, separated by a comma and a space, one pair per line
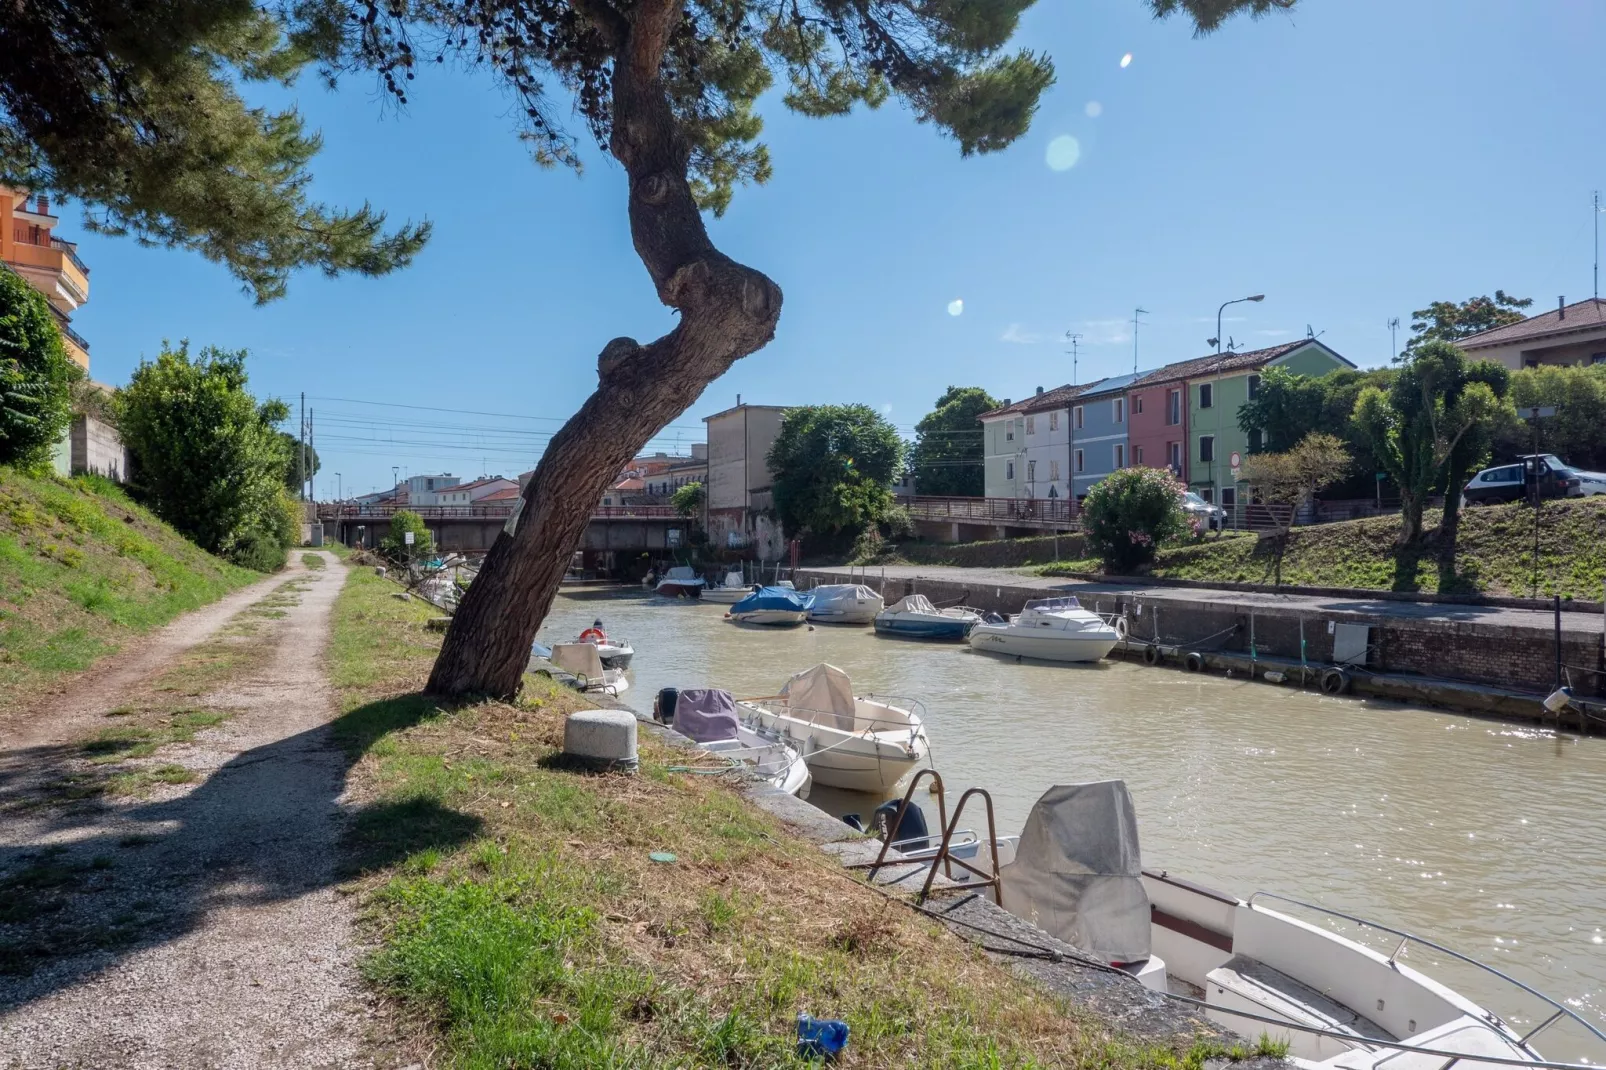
1332, 605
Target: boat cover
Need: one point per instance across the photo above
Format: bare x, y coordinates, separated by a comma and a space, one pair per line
581, 659
706, 714
681, 574
915, 603
831, 595
1078, 873
822, 695
783, 598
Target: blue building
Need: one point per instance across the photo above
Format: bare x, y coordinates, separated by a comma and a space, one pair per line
1098, 432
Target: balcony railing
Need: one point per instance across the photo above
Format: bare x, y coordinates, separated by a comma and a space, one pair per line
72, 254
66, 329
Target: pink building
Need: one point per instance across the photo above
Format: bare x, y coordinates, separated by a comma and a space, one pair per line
1157, 427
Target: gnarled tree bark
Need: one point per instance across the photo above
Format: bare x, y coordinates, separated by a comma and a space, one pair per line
727, 311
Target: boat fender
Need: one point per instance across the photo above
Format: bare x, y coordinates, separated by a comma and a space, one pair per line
1335, 681
1120, 628
912, 827
1194, 662
1151, 654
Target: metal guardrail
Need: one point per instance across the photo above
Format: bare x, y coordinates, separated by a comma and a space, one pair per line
1007, 511
66, 329
348, 511
72, 254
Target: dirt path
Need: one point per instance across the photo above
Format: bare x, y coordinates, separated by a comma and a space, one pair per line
199, 926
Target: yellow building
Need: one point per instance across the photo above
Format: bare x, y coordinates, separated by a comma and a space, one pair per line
28, 247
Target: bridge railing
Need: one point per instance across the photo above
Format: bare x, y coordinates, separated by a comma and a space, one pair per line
1058, 512
494, 511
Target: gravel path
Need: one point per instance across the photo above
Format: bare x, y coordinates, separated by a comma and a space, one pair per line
222, 939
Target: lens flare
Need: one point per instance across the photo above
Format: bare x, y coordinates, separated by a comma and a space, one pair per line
1063, 152
955, 307
1094, 109
1126, 60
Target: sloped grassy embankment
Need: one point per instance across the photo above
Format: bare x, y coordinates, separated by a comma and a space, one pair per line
519, 921
1494, 555
82, 569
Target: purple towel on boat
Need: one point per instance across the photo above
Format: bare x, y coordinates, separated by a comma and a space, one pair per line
706, 714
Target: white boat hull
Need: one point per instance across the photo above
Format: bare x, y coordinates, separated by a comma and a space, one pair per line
776, 762
868, 773
1000, 639
726, 595
781, 617
841, 759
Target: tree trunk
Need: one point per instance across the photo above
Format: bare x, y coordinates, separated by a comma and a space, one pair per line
1410, 516
1450, 523
726, 311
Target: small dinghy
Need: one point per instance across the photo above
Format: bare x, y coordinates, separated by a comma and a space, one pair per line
729, 590
845, 603
614, 653
916, 618
708, 717
773, 605
1050, 629
579, 666
861, 743
680, 580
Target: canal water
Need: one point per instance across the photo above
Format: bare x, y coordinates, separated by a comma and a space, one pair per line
1483, 836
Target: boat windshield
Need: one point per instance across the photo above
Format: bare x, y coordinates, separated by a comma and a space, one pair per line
1054, 605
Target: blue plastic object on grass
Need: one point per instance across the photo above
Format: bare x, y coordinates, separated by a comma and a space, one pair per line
821, 1038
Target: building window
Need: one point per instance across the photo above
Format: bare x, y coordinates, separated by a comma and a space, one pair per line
1076, 418
1174, 451
1207, 447
1009, 431
1031, 468
1080, 467
1120, 455
1137, 404
1173, 416
1053, 471
1031, 425
1120, 410
1137, 452
1255, 440
1009, 469
1254, 392
1054, 420
1207, 493
1598, 358
1207, 395
1229, 497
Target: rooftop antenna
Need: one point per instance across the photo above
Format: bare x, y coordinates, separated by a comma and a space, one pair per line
1394, 348
1073, 338
1597, 244
1136, 312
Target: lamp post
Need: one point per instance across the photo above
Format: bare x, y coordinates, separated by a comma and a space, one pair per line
1216, 341
339, 488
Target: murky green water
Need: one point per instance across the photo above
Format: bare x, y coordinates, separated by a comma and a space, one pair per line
1484, 836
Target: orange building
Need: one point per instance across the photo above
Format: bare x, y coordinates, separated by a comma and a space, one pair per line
28, 247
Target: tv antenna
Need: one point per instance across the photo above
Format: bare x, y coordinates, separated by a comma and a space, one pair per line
1394, 348
1073, 338
1136, 312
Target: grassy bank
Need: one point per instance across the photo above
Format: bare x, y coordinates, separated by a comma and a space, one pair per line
1494, 555
82, 569
519, 920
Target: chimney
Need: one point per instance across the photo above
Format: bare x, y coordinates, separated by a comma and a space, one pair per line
1561, 307
44, 205
738, 400
1039, 390
1007, 403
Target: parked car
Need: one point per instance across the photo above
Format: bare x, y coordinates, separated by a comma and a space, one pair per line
1592, 482
1508, 482
1209, 517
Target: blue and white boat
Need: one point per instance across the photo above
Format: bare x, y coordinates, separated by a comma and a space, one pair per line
916, 618
773, 605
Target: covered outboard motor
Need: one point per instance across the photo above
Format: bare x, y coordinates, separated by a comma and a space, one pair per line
912, 828
663, 707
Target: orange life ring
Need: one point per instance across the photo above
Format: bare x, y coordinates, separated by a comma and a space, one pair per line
593, 635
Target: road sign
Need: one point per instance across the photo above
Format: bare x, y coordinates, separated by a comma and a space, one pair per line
407, 537
1235, 460
1537, 412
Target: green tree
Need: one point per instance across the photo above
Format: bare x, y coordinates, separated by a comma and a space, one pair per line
1415, 426
36, 375
1577, 433
1469, 454
1447, 321
1284, 409
688, 499
949, 452
297, 474
1295, 476
833, 467
395, 547
1128, 515
209, 459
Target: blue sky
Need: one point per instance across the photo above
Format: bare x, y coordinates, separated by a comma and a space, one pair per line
1353, 160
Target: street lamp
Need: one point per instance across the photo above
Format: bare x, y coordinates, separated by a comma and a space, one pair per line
1216, 341
339, 489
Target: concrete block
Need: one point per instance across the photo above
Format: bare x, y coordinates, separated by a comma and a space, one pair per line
601, 739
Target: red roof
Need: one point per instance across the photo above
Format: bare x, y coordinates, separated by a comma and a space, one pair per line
1586, 315
629, 485
506, 494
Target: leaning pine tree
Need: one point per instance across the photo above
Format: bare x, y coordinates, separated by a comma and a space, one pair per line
137, 110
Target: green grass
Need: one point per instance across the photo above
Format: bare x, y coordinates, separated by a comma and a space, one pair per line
518, 920
313, 560
82, 569
1494, 555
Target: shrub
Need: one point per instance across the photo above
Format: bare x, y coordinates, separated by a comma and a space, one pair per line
36, 375
1129, 514
394, 545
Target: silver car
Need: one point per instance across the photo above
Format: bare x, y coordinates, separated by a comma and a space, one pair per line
1209, 517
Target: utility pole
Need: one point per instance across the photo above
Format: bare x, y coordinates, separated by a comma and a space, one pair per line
1394, 345
1597, 244
1536, 494
312, 474
301, 451
1070, 416
1136, 312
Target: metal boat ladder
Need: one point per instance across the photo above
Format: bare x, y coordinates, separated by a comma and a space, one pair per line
944, 855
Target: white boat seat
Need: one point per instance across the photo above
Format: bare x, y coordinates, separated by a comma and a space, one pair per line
1274, 993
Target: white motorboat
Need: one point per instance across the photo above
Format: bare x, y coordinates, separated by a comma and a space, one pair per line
845, 603
580, 666
782, 606
680, 580
729, 590
861, 743
1050, 629
614, 653
914, 617
708, 717
1076, 872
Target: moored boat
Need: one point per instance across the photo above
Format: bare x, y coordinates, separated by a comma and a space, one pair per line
579, 666
858, 742
708, 717
729, 590
845, 603
914, 617
1050, 629
772, 606
614, 653
681, 580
